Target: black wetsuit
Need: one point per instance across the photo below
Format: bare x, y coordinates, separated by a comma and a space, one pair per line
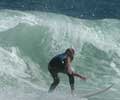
56, 65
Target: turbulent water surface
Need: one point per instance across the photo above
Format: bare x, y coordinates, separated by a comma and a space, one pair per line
28, 40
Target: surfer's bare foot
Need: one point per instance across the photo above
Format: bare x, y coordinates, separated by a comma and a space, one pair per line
73, 93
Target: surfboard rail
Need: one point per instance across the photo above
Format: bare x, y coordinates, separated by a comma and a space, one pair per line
96, 92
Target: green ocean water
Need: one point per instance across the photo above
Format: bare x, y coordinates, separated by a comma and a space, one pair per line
28, 40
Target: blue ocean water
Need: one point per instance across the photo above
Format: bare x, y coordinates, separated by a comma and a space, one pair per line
85, 9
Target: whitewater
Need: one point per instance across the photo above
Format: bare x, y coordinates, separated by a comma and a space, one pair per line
29, 39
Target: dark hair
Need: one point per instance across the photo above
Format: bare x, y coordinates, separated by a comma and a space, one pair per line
70, 52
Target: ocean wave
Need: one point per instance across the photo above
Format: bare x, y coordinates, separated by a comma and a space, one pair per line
28, 40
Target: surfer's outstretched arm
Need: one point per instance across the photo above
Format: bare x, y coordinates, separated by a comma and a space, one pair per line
71, 72
78, 75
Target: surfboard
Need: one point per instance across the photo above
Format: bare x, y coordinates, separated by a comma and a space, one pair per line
99, 91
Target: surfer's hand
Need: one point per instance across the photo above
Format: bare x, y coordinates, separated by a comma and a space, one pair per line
83, 78
78, 75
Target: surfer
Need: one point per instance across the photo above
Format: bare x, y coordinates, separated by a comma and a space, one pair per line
62, 64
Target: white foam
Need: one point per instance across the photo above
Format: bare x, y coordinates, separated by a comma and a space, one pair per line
8, 23
13, 66
20, 94
76, 30
115, 68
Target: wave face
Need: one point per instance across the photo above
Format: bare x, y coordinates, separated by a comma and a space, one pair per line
28, 40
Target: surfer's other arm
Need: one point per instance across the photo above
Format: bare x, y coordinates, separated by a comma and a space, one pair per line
78, 75
71, 72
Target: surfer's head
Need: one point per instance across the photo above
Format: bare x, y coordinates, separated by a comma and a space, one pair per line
70, 52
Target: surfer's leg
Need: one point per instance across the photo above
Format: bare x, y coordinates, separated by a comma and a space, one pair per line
71, 81
56, 80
